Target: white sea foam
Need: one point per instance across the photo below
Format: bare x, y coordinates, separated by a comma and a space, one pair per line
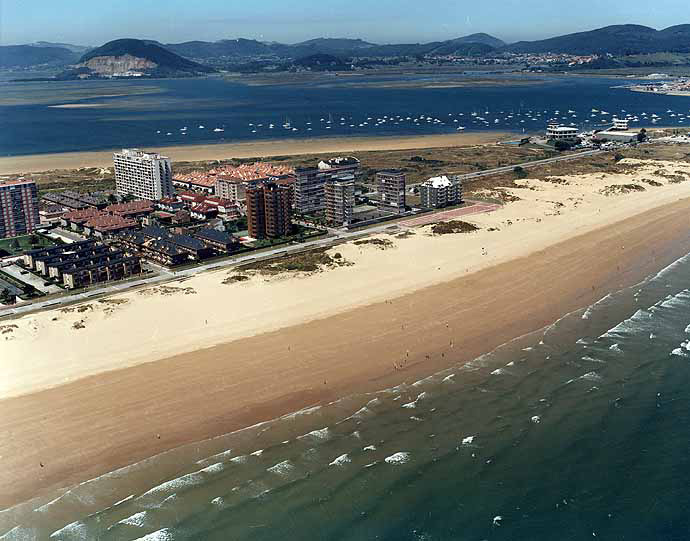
633, 325
258, 452
467, 440
217, 457
616, 348
360, 414
282, 468
159, 535
303, 411
241, 459
74, 530
174, 485
498, 372
137, 519
217, 501
536, 419
214, 468
590, 309
321, 434
369, 448
20, 533
341, 460
592, 359
679, 352
449, 379
413, 404
591, 376
398, 458
670, 267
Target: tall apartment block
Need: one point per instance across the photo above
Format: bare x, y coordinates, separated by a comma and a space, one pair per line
340, 199
18, 207
310, 182
441, 192
142, 174
268, 210
391, 187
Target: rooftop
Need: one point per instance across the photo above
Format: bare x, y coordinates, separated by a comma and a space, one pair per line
139, 154
439, 182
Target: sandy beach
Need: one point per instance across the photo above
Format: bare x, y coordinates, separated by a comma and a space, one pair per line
73, 160
161, 367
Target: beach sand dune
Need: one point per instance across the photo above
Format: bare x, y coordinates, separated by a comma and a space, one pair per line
222, 151
89, 389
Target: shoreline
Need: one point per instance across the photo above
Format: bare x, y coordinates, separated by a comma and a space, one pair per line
94, 425
34, 163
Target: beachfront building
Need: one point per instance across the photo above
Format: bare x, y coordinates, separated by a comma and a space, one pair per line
340, 199
441, 191
115, 267
618, 133
231, 188
268, 210
391, 187
310, 182
556, 132
18, 208
620, 124
143, 175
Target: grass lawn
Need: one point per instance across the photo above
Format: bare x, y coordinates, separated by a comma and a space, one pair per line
18, 245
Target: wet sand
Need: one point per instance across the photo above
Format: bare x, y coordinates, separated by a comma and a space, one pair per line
66, 434
220, 151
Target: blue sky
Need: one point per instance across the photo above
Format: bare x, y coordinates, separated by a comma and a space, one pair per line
93, 22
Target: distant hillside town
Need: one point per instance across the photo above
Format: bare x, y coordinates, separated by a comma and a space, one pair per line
617, 46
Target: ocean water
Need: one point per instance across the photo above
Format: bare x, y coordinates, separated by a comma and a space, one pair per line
213, 110
580, 430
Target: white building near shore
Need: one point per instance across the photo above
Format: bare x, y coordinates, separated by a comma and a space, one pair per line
143, 175
557, 132
618, 133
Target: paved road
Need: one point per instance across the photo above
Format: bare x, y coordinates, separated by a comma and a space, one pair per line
526, 165
338, 237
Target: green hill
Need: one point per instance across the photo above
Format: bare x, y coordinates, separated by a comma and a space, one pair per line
623, 39
157, 60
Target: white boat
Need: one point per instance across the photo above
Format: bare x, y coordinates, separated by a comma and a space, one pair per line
201, 127
219, 129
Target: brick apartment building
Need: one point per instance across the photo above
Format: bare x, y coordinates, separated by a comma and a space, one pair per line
18, 208
268, 210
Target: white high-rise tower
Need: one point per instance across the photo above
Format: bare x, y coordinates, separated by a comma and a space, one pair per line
143, 175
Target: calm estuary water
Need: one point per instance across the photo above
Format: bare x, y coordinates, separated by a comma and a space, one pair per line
580, 430
173, 112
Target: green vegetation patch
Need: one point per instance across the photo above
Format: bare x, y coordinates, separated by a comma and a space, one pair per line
381, 244
454, 226
18, 245
620, 189
308, 262
236, 278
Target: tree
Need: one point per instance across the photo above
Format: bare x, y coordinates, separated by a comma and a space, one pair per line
561, 145
6, 297
519, 172
642, 136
